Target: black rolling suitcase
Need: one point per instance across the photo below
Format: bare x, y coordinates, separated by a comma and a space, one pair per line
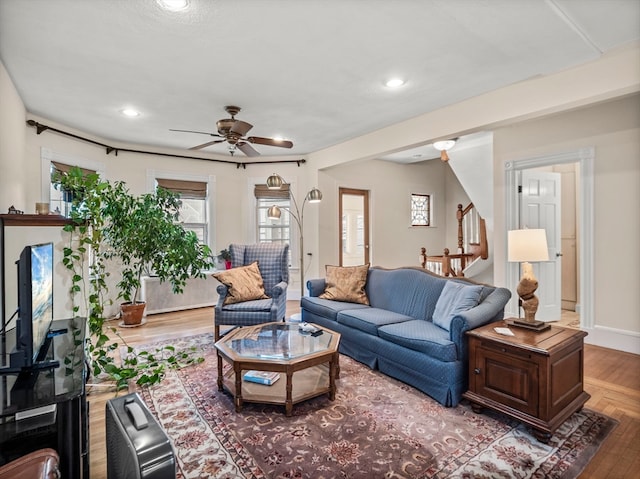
137, 447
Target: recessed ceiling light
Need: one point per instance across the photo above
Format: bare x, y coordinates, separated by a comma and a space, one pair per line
130, 112
173, 5
394, 82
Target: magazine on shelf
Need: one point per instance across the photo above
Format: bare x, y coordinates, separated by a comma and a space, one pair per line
261, 377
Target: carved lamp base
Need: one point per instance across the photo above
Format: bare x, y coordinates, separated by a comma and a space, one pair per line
529, 301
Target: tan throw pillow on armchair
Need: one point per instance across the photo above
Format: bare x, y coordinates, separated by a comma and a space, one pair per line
244, 283
346, 283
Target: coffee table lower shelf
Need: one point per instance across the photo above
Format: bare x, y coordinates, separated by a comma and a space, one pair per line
305, 384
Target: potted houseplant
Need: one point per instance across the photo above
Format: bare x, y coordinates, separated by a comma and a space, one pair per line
108, 222
225, 255
143, 234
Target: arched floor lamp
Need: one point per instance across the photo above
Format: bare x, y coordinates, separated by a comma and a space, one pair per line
275, 182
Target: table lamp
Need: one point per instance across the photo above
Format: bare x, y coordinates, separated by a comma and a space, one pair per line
526, 246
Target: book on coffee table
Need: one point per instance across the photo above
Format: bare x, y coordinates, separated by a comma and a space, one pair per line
261, 377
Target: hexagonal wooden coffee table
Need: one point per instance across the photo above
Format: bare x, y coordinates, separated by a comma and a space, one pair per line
307, 365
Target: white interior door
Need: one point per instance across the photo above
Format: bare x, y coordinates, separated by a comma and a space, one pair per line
540, 208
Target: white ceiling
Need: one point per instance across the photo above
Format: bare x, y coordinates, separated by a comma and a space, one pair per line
311, 71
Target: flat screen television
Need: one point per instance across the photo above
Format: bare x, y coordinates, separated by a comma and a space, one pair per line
35, 304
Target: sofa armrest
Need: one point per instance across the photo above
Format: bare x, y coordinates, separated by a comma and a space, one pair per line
491, 309
316, 286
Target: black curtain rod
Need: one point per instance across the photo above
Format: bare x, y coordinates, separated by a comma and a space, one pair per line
239, 164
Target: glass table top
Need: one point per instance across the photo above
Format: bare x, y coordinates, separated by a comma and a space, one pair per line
280, 341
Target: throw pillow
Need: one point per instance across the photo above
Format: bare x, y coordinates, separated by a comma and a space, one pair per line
244, 283
346, 283
455, 298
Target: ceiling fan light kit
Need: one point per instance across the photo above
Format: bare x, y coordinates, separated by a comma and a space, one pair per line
233, 132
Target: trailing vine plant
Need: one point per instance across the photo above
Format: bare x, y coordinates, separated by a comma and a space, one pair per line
108, 222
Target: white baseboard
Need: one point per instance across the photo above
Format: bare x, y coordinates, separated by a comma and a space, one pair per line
619, 339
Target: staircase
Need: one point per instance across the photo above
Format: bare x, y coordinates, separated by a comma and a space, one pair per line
472, 245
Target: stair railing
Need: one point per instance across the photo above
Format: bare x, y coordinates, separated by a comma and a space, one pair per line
472, 244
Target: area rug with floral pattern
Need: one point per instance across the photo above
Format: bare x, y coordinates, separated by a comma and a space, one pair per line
376, 427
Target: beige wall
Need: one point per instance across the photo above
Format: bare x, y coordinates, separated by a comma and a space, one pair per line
13, 170
393, 241
613, 129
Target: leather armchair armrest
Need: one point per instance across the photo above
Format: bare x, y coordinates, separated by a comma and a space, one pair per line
40, 464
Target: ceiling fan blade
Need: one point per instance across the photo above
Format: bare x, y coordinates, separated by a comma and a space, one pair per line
204, 145
247, 149
241, 127
270, 141
192, 131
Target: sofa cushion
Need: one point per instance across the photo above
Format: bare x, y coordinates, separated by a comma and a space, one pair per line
327, 308
406, 291
346, 283
454, 298
370, 319
423, 336
244, 283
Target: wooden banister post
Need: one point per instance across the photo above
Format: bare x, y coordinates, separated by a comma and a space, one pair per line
459, 215
446, 263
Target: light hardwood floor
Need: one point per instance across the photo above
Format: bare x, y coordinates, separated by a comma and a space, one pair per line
611, 377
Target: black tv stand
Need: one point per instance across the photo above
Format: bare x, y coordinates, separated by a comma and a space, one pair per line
17, 360
45, 386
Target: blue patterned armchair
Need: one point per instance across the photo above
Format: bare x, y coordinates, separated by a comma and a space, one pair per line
273, 262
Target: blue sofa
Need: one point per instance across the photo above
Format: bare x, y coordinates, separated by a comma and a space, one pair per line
396, 333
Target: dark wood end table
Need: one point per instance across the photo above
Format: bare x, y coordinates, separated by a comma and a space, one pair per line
535, 377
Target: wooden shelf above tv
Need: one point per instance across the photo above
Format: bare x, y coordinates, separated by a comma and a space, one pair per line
33, 220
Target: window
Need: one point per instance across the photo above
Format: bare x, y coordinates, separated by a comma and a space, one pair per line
193, 213
59, 203
352, 223
270, 230
420, 210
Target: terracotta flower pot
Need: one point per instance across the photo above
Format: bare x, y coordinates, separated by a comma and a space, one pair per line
131, 314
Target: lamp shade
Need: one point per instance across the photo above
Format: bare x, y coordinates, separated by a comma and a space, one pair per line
274, 182
274, 213
314, 196
527, 245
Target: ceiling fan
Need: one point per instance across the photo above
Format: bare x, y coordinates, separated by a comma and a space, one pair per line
233, 132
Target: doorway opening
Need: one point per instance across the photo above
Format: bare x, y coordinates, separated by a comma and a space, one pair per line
353, 218
514, 171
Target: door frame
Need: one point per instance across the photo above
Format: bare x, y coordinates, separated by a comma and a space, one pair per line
585, 157
365, 196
